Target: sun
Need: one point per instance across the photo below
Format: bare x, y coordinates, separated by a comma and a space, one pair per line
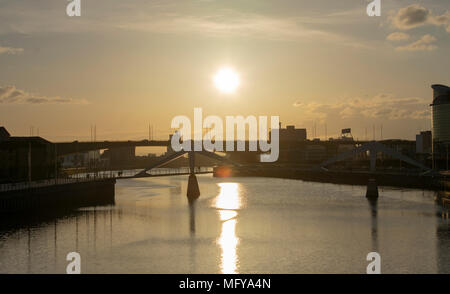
226, 80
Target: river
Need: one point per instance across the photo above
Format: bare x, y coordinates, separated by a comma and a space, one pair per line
238, 225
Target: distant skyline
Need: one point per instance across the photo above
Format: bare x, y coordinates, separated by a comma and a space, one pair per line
123, 65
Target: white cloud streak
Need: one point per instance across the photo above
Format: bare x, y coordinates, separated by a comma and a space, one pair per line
231, 23
382, 106
423, 44
10, 50
12, 95
397, 36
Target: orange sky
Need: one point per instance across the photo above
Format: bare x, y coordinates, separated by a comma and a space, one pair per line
124, 64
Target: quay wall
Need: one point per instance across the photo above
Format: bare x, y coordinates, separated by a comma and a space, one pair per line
70, 195
340, 177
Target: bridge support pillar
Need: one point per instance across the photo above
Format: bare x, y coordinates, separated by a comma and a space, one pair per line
193, 191
372, 189
373, 159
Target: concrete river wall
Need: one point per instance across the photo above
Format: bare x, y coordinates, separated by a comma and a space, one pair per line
67, 195
339, 177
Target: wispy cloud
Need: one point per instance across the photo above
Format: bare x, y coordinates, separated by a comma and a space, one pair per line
382, 106
232, 23
211, 19
397, 36
442, 20
12, 95
10, 50
423, 44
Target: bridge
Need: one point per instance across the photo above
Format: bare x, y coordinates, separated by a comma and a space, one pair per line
66, 148
373, 148
360, 147
323, 172
193, 191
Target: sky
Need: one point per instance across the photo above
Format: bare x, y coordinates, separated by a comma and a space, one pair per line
125, 64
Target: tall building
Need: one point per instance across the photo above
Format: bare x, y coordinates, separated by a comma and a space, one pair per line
120, 156
440, 109
423, 142
290, 133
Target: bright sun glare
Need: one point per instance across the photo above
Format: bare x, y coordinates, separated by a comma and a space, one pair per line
226, 80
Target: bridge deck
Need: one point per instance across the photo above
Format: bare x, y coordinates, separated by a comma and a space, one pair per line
99, 176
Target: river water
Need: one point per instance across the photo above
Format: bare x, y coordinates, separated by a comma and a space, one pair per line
238, 225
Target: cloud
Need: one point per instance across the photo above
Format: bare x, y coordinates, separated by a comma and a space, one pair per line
423, 44
397, 36
12, 95
382, 106
10, 50
415, 16
442, 20
209, 18
206, 18
297, 104
232, 23
412, 16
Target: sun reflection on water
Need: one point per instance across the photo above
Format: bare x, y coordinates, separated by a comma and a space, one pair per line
227, 203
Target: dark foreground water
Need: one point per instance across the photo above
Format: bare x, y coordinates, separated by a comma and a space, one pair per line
238, 225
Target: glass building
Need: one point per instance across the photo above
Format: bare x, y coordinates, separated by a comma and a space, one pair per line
440, 109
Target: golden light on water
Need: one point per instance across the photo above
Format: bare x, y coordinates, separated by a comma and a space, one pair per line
228, 198
226, 80
228, 202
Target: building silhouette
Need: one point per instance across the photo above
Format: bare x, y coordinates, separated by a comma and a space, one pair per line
440, 109
25, 158
424, 142
291, 134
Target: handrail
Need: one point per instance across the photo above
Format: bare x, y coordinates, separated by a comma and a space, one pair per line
95, 176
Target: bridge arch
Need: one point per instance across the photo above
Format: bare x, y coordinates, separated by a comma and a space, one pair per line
373, 147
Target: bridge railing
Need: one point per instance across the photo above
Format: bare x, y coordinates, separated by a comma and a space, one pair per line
180, 170
154, 172
43, 183
95, 176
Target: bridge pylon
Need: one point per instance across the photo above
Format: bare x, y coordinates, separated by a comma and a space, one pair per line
372, 189
193, 191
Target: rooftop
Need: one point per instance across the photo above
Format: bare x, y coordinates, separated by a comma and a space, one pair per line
4, 134
441, 94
